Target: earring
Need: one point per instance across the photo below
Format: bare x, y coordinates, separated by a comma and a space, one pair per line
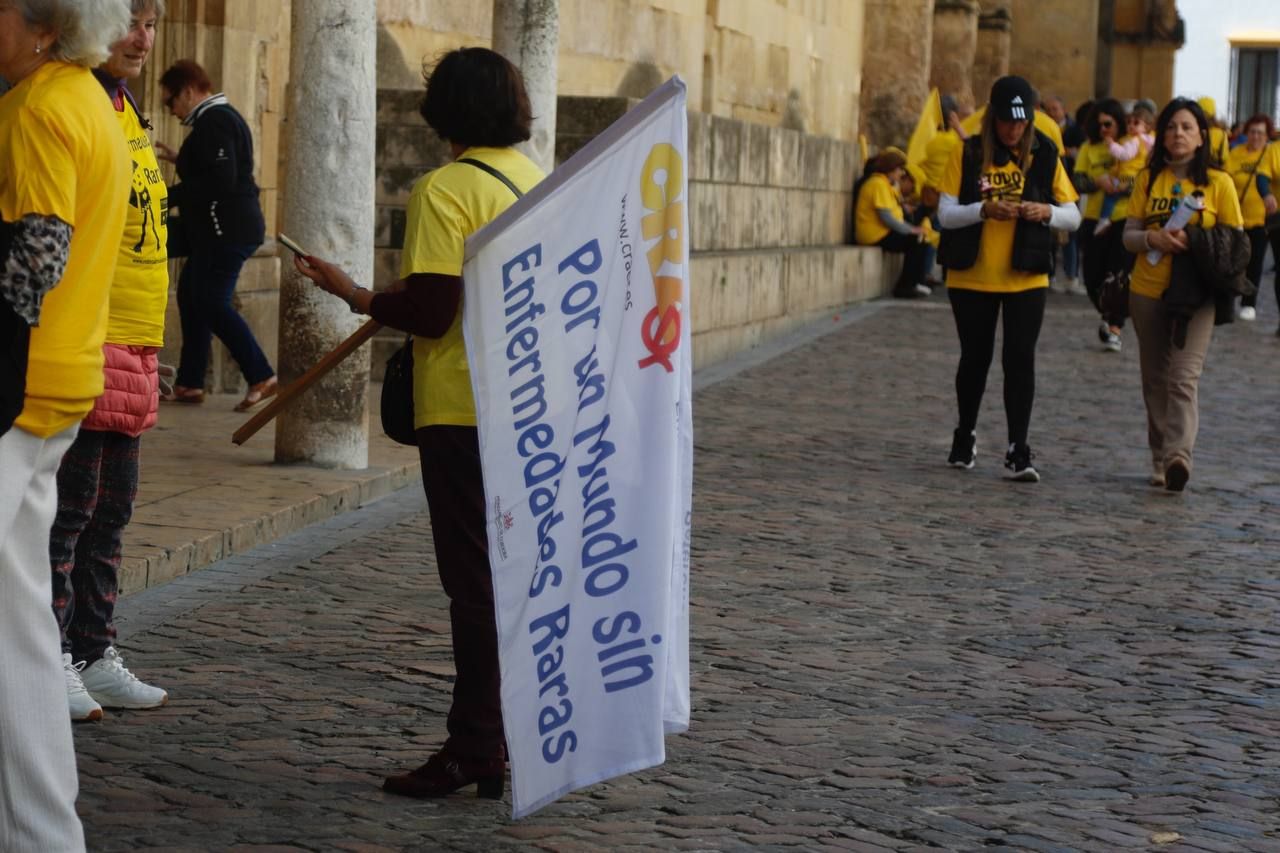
38, 48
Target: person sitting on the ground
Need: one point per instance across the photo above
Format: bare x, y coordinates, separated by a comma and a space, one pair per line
1129, 154
879, 220
917, 213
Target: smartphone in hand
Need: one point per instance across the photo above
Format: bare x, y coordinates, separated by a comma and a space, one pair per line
292, 246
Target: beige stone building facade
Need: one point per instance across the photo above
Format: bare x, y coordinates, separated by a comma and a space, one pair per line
774, 105
1075, 49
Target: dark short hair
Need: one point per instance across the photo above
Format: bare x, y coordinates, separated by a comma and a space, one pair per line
476, 97
184, 73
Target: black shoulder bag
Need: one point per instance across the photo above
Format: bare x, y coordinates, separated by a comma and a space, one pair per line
396, 407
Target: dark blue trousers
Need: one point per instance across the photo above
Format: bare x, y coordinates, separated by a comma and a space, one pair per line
205, 288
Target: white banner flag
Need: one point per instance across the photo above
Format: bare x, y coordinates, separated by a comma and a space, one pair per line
577, 328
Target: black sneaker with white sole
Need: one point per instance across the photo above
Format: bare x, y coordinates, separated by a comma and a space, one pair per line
964, 449
1018, 461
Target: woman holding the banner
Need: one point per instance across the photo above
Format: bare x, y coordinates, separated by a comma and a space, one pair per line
476, 101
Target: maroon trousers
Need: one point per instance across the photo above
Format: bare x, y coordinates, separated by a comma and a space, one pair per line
452, 477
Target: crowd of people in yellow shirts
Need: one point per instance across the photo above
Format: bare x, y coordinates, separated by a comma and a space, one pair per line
1129, 204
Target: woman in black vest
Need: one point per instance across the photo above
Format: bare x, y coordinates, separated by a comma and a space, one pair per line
1003, 191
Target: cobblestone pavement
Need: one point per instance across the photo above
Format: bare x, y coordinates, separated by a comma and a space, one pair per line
888, 654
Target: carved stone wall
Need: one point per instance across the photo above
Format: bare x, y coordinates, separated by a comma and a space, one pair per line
1055, 46
955, 45
995, 39
897, 45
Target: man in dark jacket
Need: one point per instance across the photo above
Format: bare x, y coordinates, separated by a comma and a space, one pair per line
219, 225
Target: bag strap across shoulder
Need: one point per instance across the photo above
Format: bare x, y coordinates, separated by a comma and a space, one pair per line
485, 167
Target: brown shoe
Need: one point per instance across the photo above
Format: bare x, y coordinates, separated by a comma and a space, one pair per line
257, 393
444, 773
183, 394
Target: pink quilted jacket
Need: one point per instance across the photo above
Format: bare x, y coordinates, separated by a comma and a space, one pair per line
132, 394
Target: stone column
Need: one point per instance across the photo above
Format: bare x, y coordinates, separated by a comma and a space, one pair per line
995, 41
897, 37
955, 42
328, 209
527, 32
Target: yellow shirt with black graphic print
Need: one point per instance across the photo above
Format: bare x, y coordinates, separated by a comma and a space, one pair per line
1154, 202
993, 272
140, 288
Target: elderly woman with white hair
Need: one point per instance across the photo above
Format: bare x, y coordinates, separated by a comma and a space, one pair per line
64, 180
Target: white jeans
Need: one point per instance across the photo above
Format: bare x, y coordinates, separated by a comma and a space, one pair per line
38, 782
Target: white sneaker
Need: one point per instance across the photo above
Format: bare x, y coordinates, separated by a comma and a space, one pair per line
82, 705
112, 685
1248, 313
1056, 286
1076, 287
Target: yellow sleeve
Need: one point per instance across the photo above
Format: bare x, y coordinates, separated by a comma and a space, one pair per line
1138, 197
950, 183
1063, 191
884, 196
435, 232
1228, 202
42, 173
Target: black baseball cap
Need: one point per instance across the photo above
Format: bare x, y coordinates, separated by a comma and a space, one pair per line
1012, 99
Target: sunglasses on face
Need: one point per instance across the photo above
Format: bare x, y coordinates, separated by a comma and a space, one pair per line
168, 102
1106, 124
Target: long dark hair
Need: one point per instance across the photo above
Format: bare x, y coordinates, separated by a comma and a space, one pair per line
1108, 107
1198, 170
991, 141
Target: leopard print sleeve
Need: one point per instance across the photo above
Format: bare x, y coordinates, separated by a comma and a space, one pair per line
38, 247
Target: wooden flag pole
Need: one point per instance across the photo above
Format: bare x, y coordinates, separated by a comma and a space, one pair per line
306, 380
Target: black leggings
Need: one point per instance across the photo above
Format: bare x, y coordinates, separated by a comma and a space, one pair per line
976, 313
1257, 252
914, 255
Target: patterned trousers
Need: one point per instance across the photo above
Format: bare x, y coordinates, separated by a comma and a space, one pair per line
97, 485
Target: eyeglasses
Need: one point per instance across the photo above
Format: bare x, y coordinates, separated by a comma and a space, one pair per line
1107, 123
168, 102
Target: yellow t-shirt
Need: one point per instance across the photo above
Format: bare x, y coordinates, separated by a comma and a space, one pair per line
1271, 165
1094, 160
1156, 205
61, 156
877, 192
937, 154
1244, 165
141, 285
993, 271
446, 206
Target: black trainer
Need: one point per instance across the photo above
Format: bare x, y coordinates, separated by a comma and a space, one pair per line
1018, 461
964, 449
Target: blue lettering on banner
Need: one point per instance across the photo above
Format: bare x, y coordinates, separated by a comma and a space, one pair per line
624, 652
